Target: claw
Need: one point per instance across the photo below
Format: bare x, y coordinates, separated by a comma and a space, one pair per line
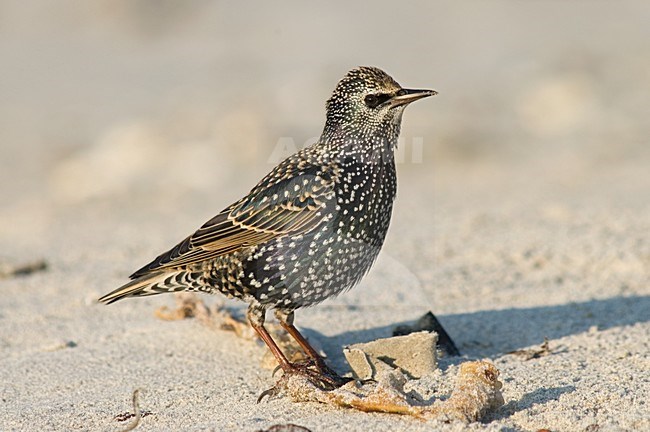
268, 392
277, 368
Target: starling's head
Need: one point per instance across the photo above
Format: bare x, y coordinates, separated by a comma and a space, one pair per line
368, 102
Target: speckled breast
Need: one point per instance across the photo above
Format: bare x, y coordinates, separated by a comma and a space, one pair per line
302, 270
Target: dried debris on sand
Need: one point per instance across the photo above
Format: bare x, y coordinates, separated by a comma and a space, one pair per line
137, 413
533, 353
476, 392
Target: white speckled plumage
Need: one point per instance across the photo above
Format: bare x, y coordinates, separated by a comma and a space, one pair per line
312, 227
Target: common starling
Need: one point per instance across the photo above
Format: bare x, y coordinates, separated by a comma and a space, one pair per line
309, 230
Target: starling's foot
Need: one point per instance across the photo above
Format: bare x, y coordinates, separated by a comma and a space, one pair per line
325, 380
323, 377
315, 363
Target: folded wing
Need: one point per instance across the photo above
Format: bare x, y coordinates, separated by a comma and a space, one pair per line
291, 200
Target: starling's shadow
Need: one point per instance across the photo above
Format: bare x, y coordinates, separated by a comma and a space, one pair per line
490, 333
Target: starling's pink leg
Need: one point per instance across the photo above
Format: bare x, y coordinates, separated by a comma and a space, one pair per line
286, 321
277, 353
256, 319
325, 378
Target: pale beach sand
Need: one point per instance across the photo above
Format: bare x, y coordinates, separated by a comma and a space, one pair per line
523, 210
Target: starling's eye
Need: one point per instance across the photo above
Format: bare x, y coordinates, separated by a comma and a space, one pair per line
374, 100
371, 100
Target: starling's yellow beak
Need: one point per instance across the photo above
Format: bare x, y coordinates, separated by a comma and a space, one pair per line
406, 96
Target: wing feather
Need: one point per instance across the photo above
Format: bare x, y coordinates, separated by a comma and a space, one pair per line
291, 200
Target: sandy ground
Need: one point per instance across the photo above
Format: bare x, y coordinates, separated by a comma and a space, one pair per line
525, 215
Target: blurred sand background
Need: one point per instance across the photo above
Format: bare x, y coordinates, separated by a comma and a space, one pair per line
523, 209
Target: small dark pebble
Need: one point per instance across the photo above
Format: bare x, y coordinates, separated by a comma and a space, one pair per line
286, 428
430, 323
25, 269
